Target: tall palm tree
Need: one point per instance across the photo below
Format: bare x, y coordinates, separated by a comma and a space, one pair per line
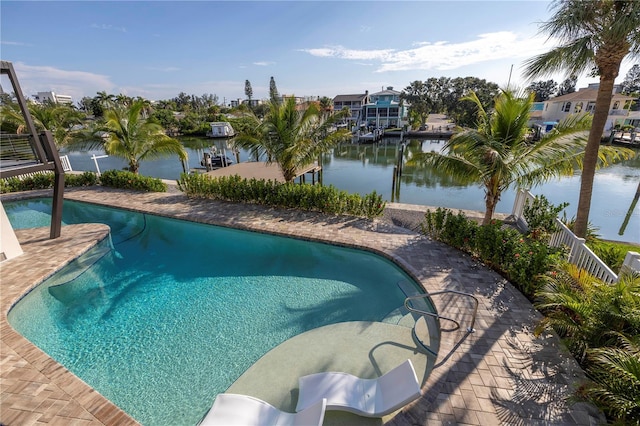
290, 137
125, 134
499, 153
595, 35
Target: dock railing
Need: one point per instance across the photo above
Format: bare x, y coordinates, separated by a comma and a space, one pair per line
577, 251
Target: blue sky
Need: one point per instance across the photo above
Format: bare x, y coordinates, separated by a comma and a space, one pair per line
157, 49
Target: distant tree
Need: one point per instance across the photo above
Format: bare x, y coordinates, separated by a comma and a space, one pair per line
123, 100
417, 96
105, 100
273, 91
326, 103
631, 83
600, 34
631, 86
542, 90
85, 105
464, 113
568, 86
248, 91
165, 118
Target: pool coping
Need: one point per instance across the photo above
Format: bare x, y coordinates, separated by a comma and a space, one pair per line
500, 373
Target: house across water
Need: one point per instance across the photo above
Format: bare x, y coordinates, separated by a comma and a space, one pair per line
221, 129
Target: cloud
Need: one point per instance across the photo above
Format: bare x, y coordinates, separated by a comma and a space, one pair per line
441, 55
35, 79
14, 43
264, 63
164, 69
109, 27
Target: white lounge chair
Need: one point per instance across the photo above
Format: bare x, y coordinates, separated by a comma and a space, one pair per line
242, 410
365, 397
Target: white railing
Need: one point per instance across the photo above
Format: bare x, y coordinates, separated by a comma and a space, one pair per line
578, 252
66, 165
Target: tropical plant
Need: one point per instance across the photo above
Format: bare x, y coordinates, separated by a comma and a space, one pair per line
290, 137
587, 312
615, 380
499, 153
126, 135
595, 35
60, 120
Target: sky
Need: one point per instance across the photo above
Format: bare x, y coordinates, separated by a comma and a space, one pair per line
157, 49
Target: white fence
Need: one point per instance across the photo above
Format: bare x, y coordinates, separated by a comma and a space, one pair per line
578, 252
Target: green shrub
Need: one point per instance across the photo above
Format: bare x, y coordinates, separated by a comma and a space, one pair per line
84, 179
124, 179
45, 180
611, 254
541, 217
520, 259
326, 199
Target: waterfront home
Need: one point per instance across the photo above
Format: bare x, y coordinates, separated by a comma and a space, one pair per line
584, 100
355, 103
384, 110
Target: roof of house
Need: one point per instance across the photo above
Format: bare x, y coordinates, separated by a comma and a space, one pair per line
588, 94
350, 98
388, 91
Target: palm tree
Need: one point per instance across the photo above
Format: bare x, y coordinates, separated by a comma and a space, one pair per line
499, 152
595, 35
58, 119
290, 137
125, 134
615, 385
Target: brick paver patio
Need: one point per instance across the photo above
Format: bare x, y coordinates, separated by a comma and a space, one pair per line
500, 374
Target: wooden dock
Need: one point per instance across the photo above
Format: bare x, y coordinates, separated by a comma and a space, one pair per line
263, 171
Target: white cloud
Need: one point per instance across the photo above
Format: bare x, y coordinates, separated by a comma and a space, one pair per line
164, 69
264, 63
14, 43
109, 27
35, 79
442, 55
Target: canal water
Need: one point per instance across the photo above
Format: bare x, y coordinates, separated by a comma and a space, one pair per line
363, 168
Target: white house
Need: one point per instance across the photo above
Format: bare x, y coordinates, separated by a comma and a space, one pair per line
52, 97
583, 100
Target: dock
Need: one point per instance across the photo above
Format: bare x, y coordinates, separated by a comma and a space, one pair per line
264, 171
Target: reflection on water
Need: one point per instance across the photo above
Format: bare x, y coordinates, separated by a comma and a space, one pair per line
364, 168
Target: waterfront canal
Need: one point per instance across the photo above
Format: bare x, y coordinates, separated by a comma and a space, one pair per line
363, 168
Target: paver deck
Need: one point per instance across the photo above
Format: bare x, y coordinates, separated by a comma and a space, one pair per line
500, 374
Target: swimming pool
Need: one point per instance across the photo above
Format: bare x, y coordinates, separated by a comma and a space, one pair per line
175, 311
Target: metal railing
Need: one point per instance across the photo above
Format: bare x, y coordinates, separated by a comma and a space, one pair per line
577, 251
410, 308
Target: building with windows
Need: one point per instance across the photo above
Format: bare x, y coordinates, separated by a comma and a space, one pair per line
385, 110
355, 103
584, 100
43, 97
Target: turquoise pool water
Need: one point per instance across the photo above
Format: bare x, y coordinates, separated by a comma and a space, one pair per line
171, 313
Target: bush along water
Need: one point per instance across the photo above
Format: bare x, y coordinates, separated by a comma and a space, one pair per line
113, 178
45, 180
124, 179
325, 199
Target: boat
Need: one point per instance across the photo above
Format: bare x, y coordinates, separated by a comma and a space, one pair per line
221, 129
215, 161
